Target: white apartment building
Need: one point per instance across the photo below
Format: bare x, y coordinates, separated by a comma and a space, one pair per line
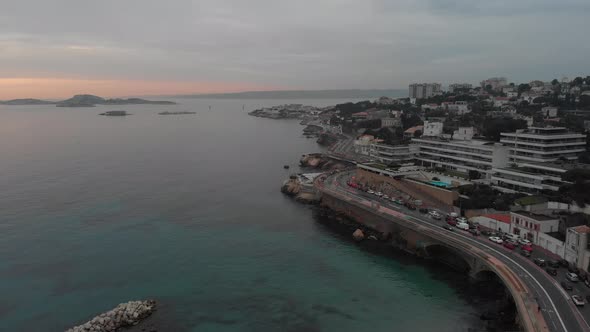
433, 129
548, 144
528, 225
392, 154
536, 159
463, 134
497, 83
577, 250
461, 155
424, 90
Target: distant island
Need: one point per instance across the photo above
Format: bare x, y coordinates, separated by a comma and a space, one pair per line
305, 94
176, 113
86, 101
91, 101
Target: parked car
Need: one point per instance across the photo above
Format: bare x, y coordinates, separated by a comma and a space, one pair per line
453, 215
551, 271
566, 285
452, 222
448, 227
423, 210
572, 277
573, 269
473, 225
379, 193
461, 219
399, 201
486, 233
539, 261
496, 239
474, 232
564, 263
508, 236
528, 248
436, 217
509, 245
370, 192
525, 253
578, 300
524, 242
385, 197
553, 264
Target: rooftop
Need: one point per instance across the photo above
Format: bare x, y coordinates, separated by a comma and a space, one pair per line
413, 129
582, 229
473, 142
504, 218
538, 217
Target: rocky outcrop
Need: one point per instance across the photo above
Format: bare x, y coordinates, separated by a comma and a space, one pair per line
125, 314
327, 139
358, 235
321, 161
292, 186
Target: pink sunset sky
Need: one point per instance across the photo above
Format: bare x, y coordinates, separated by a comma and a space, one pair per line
59, 88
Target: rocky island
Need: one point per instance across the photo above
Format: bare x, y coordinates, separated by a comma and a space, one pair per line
26, 101
124, 315
91, 101
289, 111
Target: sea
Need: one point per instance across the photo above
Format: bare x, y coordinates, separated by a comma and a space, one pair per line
187, 210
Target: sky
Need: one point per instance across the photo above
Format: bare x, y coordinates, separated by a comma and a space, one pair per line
54, 49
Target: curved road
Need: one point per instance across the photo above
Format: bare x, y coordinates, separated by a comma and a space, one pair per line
556, 306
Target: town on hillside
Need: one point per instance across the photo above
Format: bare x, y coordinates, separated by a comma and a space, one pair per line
512, 156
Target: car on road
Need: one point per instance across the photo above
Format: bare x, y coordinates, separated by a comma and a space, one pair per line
551, 271
463, 226
423, 210
452, 222
448, 227
487, 233
453, 215
461, 219
573, 269
572, 277
385, 197
399, 201
509, 245
564, 263
553, 264
410, 206
370, 191
379, 193
525, 253
566, 285
474, 232
578, 300
496, 239
433, 213
539, 261
524, 242
528, 248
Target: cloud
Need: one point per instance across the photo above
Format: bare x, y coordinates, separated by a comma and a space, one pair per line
297, 44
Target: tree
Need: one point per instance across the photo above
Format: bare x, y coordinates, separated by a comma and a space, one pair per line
474, 175
577, 81
511, 84
523, 87
554, 82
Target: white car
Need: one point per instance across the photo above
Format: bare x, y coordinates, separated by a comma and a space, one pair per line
578, 300
385, 197
453, 215
379, 193
496, 239
433, 213
524, 242
462, 225
461, 220
370, 192
572, 277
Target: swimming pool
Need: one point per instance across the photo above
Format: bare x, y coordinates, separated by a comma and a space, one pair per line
441, 184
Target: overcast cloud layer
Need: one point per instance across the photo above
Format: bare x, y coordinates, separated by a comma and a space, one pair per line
309, 44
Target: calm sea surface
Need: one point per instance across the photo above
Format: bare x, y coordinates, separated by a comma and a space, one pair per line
186, 209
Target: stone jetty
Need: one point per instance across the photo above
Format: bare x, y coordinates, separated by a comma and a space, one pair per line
125, 314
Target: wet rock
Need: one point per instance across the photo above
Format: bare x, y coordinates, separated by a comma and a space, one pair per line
358, 235
125, 314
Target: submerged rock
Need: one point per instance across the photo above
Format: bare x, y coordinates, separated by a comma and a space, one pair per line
358, 235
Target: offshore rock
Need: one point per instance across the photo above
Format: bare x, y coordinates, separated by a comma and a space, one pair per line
358, 235
125, 314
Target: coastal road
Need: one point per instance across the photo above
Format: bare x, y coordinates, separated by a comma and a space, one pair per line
556, 306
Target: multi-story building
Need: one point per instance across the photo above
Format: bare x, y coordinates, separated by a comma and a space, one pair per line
497, 83
548, 144
577, 246
392, 154
538, 158
461, 155
528, 225
424, 90
432, 128
459, 86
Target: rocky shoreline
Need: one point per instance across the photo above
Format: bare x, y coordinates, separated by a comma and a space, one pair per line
124, 315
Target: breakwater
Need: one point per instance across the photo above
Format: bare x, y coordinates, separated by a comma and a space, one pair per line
125, 314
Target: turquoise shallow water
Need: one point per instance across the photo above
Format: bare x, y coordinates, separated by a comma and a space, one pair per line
186, 209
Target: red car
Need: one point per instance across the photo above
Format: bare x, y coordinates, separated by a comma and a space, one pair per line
527, 247
452, 222
509, 245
